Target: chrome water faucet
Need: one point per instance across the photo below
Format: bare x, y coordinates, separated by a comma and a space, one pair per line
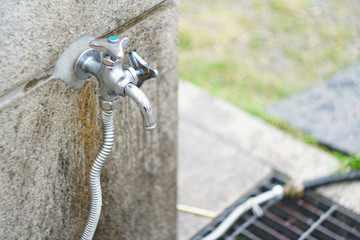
104, 61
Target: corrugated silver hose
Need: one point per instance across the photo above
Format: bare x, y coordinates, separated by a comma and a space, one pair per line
95, 187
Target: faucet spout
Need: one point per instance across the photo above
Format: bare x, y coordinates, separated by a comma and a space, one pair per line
143, 103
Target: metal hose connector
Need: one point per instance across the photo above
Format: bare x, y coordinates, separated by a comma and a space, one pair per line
94, 178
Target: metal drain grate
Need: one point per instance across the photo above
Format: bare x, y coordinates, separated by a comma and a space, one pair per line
311, 217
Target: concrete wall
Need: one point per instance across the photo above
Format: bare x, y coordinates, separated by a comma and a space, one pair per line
50, 134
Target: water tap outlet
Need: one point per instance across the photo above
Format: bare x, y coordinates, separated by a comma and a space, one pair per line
104, 61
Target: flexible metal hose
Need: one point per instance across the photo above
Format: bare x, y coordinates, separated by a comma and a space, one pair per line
94, 178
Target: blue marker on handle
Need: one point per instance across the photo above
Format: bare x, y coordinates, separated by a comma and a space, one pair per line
113, 39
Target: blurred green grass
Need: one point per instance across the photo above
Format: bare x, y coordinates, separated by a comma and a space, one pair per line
254, 53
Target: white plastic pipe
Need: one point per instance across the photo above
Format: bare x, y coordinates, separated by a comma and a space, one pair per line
277, 192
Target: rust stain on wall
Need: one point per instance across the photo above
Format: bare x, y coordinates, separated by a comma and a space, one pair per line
87, 122
89, 114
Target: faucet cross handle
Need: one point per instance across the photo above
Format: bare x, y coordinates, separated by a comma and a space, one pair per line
143, 70
113, 46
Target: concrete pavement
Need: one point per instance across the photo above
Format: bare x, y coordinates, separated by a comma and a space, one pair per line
224, 152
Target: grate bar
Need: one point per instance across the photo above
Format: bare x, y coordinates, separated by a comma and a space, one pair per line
282, 223
270, 231
249, 235
329, 233
318, 222
347, 219
306, 220
304, 208
312, 199
250, 221
345, 227
311, 208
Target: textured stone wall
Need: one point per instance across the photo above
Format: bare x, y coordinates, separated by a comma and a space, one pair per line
51, 134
